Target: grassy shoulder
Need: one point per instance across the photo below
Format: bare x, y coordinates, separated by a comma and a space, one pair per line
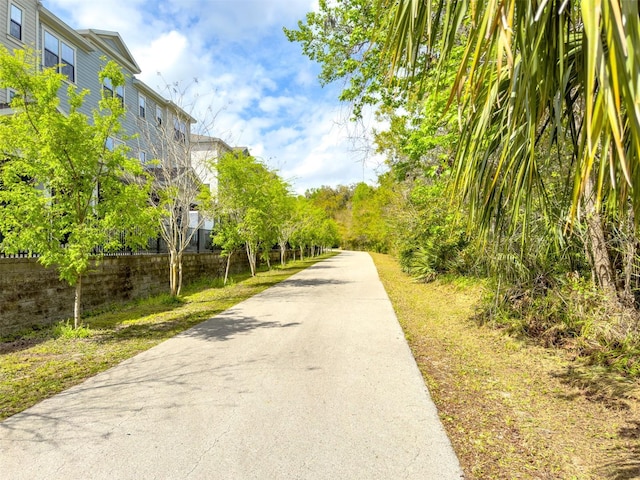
511, 409
37, 364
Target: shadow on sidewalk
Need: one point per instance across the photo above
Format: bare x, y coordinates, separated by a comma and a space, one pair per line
227, 325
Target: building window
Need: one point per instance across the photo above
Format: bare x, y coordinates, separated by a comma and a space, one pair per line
179, 130
11, 94
109, 144
15, 22
158, 116
142, 155
59, 55
68, 61
109, 91
142, 106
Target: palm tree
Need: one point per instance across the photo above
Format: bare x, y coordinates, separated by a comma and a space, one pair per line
563, 70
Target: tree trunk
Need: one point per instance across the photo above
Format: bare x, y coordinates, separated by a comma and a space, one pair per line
77, 303
252, 258
597, 243
179, 286
629, 255
226, 271
301, 252
173, 273
283, 253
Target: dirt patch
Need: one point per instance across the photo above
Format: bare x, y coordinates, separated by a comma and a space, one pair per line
18, 345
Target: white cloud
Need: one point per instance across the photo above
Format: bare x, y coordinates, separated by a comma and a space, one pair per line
163, 54
262, 92
274, 104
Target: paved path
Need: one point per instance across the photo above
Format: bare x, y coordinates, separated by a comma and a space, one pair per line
311, 379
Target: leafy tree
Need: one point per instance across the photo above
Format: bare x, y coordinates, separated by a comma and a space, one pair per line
431, 237
531, 108
282, 215
183, 201
567, 68
279, 211
225, 234
244, 195
336, 203
365, 215
346, 38
65, 195
328, 236
307, 218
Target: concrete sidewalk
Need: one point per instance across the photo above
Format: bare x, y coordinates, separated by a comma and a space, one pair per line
311, 379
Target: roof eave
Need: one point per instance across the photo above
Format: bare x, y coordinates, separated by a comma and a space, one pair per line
92, 36
79, 40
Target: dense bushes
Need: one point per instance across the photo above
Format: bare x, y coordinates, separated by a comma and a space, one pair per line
540, 286
570, 313
428, 235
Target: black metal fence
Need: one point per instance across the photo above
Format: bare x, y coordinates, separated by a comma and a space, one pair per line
200, 243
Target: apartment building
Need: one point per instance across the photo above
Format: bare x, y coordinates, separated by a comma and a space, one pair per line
156, 130
79, 55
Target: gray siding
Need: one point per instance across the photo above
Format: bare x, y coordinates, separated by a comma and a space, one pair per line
89, 60
29, 26
29, 29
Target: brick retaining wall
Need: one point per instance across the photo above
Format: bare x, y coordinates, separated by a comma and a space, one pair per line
33, 295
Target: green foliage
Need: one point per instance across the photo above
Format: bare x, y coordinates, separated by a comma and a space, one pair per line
514, 80
226, 236
344, 39
570, 313
336, 204
66, 330
525, 117
64, 192
308, 219
243, 196
368, 228
422, 136
430, 235
258, 211
331, 200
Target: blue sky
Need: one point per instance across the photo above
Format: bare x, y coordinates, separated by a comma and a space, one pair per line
253, 88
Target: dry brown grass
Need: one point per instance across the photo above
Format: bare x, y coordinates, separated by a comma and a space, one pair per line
513, 410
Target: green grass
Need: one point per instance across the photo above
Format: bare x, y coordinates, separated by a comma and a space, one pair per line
513, 409
38, 363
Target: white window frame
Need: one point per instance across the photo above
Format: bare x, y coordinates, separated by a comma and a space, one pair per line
10, 21
60, 55
142, 156
142, 106
159, 116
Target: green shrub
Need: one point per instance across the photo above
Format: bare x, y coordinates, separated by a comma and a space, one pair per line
65, 330
431, 238
571, 313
